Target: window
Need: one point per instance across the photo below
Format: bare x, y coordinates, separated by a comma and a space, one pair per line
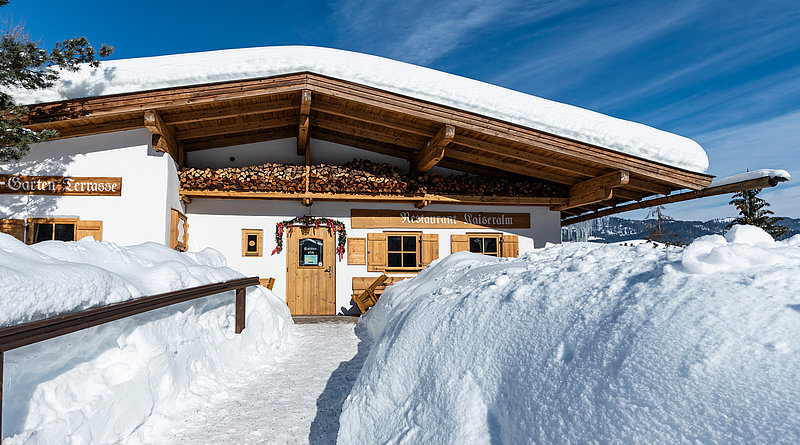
485, 244
402, 251
311, 250
62, 229
252, 242
494, 244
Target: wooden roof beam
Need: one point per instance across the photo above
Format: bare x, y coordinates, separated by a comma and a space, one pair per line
594, 190
239, 127
232, 109
228, 140
163, 137
508, 166
303, 145
678, 197
429, 156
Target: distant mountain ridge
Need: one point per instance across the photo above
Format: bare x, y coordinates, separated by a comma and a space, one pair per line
612, 229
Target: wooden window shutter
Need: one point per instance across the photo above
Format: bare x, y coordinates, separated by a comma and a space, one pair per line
459, 243
178, 231
430, 248
89, 228
376, 252
13, 227
510, 245
357, 251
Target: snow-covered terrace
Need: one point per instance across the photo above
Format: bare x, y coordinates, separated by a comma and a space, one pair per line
223, 98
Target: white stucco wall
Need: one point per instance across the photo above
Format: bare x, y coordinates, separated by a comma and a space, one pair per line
218, 224
149, 185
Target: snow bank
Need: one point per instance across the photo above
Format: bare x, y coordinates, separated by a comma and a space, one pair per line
148, 73
588, 342
755, 174
111, 383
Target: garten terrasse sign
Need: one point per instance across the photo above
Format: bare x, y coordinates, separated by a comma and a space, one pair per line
375, 219
60, 185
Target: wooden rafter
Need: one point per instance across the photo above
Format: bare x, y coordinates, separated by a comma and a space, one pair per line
594, 190
238, 127
303, 146
678, 197
232, 109
429, 156
227, 140
506, 165
429, 198
163, 137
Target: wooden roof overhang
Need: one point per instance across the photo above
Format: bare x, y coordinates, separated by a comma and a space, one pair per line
307, 105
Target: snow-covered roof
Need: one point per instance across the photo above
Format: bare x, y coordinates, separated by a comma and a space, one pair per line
782, 175
148, 73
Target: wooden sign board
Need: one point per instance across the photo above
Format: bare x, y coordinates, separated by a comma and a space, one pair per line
60, 185
407, 219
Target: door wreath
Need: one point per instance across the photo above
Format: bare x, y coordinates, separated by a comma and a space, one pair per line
310, 221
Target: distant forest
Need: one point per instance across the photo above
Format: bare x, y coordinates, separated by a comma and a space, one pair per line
612, 229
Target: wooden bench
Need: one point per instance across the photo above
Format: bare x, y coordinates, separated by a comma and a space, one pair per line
367, 290
267, 282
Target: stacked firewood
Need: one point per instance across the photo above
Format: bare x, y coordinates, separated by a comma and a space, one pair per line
361, 176
265, 177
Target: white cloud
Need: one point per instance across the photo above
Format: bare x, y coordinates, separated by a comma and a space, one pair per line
421, 32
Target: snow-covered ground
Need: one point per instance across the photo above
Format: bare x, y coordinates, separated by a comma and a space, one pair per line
293, 402
102, 384
587, 342
573, 343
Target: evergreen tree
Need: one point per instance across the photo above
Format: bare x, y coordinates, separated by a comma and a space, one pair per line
753, 211
24, 64
657, 226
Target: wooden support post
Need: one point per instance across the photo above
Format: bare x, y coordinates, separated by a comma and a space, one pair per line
241, 295
305, 125
2, 360
594, 190
434, 151
163, 137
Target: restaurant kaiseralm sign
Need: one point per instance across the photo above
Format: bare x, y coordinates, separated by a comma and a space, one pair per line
376, 219
60, 185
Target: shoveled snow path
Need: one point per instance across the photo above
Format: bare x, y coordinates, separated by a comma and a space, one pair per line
296, 401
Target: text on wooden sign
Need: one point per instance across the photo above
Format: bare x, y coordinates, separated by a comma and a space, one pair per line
375, 219
60, 185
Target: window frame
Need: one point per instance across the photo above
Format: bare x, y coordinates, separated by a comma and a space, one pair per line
31, 222
259, 233
496, 236
417, 251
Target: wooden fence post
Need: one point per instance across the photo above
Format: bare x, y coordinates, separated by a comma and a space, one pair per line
2, 359
240, 309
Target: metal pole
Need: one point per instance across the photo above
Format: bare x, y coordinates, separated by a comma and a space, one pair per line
240, 309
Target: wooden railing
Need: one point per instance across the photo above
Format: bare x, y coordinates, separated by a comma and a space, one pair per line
13, 337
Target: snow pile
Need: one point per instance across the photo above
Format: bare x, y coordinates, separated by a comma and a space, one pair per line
100, 385
585, 342
149, 73
781, 175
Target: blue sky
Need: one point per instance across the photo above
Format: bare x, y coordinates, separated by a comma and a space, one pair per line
725, 73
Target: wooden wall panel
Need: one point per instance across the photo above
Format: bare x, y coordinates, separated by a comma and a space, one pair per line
356, 251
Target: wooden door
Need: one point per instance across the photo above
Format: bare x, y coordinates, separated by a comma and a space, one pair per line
310, 271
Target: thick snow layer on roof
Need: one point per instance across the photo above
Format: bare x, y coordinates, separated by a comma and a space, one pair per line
755, 174
99, 385
129, 75
586, 342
